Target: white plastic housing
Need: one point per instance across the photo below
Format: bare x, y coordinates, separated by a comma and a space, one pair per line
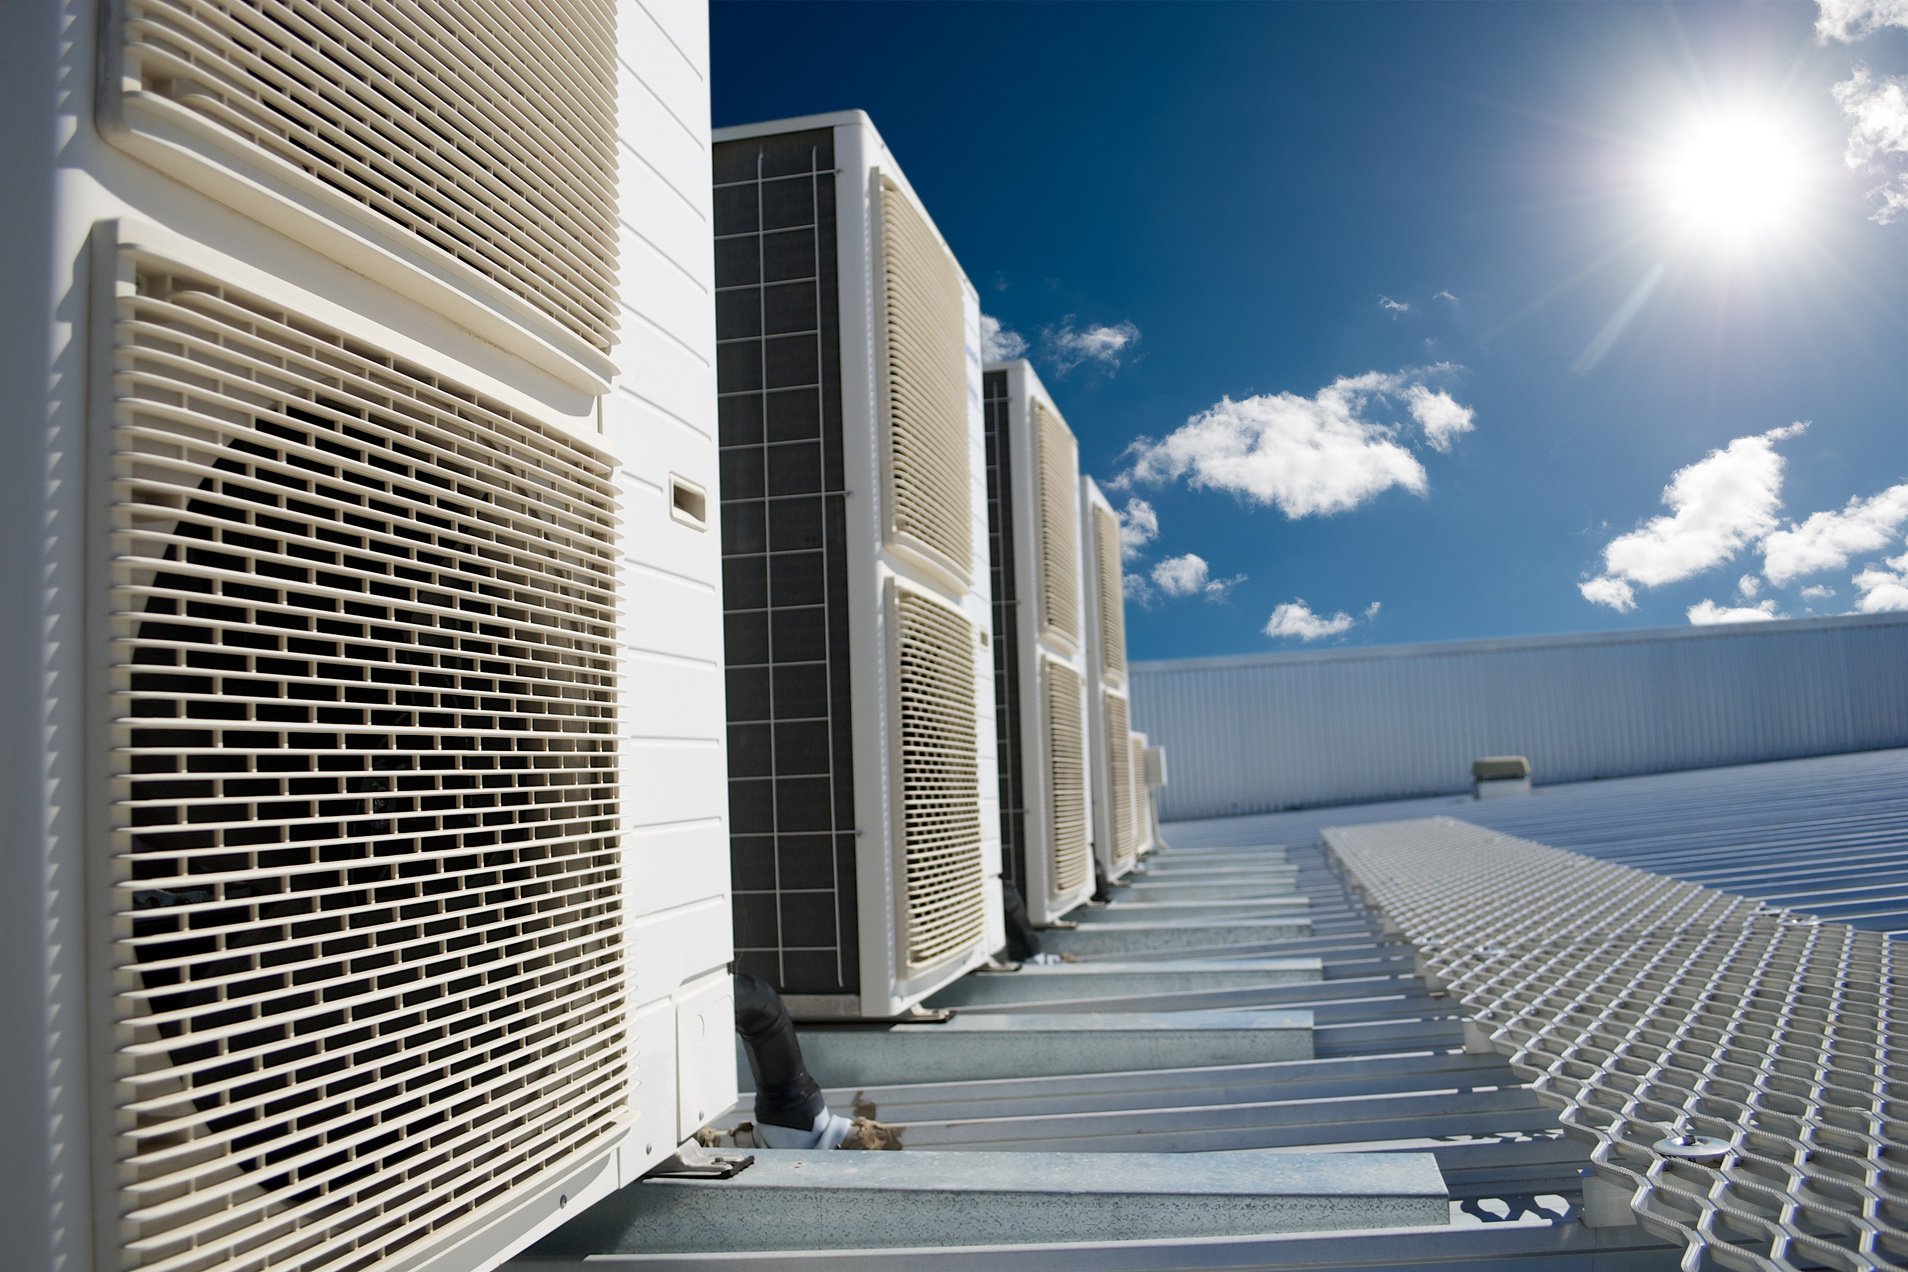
1053, 633
1155, 779
1143, 829
1115, 830
125, 175
887, 568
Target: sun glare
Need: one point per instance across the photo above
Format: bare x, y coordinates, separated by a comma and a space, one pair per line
1736, 179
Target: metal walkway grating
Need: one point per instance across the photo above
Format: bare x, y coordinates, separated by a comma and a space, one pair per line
1660, 1014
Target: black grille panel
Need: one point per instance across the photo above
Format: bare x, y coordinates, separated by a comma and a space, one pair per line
784, 563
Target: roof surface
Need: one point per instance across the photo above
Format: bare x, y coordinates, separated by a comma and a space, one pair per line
1389, 1072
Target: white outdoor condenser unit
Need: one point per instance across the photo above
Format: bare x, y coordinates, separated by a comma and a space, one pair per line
1155, 779
1040, 643
1143, 827
383, 766
864, 832
1110, 762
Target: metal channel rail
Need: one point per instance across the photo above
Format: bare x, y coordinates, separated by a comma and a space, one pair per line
1388, 1073
1736, 1063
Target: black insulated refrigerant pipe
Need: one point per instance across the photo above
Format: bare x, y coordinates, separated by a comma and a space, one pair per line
784, 1093
1022, 944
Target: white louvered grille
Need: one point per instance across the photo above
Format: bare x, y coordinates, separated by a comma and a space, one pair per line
1106, 553
486, 130
1119, 745
1059, 462
1066, 781
366, 892
927, 425
940, 780
1137, 758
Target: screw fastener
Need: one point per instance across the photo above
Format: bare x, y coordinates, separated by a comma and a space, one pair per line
1692, 1148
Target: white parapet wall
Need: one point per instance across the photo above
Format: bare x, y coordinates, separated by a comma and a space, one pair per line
1264, 732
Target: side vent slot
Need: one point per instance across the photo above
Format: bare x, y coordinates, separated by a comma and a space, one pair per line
366, 944
1059, 477
1066, 780
486, 132
925, 369
940, 780
688, 503
1106, 535
1119, 745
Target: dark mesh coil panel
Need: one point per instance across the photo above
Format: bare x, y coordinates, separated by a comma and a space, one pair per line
784, 563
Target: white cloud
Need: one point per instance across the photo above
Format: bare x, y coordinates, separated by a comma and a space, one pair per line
1189, 575
999, 344
1440, 415
1829, 540
1615, 593
1719, 504
1850, 20
1139, 526
1371, 610
1309, 456
1878, 135
1068, 346
1747, 586
1883, 590
1137, 589
1180, 575
1880, 111
1819, 592
1295, 618
1393, 306
1444, 295
1705, 612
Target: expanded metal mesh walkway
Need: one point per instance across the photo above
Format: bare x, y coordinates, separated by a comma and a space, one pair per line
1737, 1064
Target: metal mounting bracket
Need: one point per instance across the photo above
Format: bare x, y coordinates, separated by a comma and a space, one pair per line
692, 1161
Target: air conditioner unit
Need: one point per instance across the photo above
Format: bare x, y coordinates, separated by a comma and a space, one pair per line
1115, 831
864, 826
1155, 779
368, 771
1040, 676
1143, 826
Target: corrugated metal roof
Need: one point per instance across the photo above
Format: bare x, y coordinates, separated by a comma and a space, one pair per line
1826, 835
1309, 729
1389, 1071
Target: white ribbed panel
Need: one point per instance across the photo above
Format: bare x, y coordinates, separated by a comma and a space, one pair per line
367, 914
1106, 560
486, 130
1257, 733
940, 780
1057, 456
1119, 761
1070, 852
927, 425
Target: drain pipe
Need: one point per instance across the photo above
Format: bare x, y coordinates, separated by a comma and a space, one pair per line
789, 1109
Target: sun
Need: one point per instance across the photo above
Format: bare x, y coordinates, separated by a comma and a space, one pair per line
1736, 179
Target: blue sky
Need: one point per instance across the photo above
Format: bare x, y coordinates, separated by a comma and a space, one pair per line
1430, 321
